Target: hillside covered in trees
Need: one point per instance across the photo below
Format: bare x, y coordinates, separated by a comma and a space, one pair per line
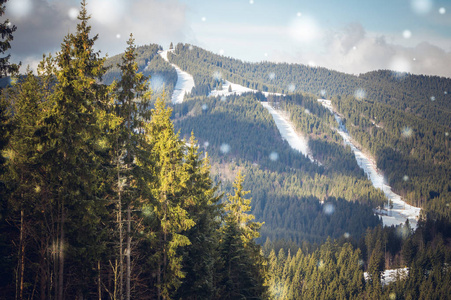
106, 193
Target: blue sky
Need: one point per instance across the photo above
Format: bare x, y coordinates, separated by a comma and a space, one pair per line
348, 35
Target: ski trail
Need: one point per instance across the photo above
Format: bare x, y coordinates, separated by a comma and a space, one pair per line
401, 210
185, 82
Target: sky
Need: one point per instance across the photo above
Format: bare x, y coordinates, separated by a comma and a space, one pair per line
352, 36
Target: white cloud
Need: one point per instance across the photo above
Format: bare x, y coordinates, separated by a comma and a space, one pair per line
43, 30
352, 50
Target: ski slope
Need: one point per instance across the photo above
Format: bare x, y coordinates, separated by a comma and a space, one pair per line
237, 89
185, 82
286, 129
401, 210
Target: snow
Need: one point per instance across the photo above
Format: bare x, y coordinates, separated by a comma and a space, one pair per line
286, 129
389, 276
185, 82
401, 210
236, 89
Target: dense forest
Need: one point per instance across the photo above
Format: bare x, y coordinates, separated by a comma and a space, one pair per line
402, 120
106, 193
102, 199
428, 97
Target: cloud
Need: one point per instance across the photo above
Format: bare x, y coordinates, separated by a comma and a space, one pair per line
352, 50
43, 24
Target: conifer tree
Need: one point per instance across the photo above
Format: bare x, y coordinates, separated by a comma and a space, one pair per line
132, 108
6, 31
26, 203
244, 268
75, 130
199, 258
169, 207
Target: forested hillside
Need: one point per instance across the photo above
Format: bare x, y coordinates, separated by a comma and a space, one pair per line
403, 120
428, 97
101, 199
108, 192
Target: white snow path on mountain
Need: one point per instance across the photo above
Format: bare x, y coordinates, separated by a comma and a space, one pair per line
185, 82
236, 89
389, 276
286, 129
401, 210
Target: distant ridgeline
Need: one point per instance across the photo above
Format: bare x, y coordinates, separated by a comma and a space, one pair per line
403, 120
426, 96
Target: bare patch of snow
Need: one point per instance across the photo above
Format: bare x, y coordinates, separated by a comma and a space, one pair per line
286, 129
185, 82
401, 211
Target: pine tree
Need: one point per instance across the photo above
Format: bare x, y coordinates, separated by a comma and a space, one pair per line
199, 258
171, 46
26, 203
6, 31
132, 108
76, 120
167, 188
244, 267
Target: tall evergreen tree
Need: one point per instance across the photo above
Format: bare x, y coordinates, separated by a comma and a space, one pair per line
169, 207
132, 108
199, 258
243, 266
75, 140
6, 31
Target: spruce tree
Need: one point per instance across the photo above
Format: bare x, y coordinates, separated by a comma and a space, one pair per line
169, 207
75, 139
132, 100
6, 31
199, 258
243, 266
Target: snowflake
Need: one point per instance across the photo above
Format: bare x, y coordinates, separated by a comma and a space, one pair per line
274, 156
442, 10
407, 34
73, 13
225, 148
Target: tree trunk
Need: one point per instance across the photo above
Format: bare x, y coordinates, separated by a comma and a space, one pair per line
21, 256
99, 281
61, 257
121, 237
129, 229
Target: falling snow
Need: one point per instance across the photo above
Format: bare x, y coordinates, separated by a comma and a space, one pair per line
432, 98
328, 209
407, 34
204, 107
405, 178
291, 88
360, 94
72, 13
272, 75
274, 156
406, 132
225, 148
20, 8
421, 6
442, 10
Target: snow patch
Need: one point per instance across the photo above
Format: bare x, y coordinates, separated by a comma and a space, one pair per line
185, 82
286, 129
401, 210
